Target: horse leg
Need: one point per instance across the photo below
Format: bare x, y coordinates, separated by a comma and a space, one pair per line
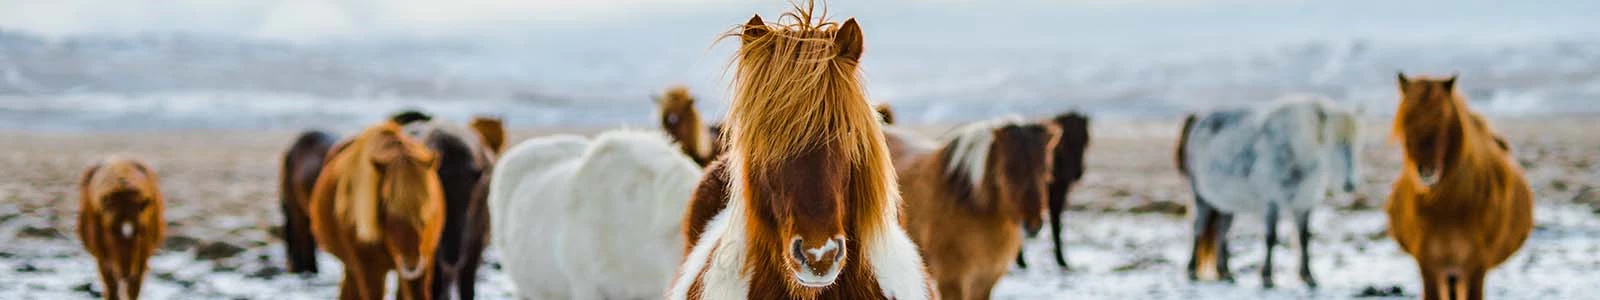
1272, 239
1302, 222
108, 281
1204, 237
985, 286
349, 289
1021, 263
467, 280
297, 239
1223, 223
1057, 204
951, 289
1474, 284
1430, 281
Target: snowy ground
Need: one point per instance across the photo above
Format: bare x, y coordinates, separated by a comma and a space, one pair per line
1127, 238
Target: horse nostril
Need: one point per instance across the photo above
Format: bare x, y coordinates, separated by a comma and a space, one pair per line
794, 250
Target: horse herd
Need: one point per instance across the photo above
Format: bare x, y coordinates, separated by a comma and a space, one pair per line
807, 191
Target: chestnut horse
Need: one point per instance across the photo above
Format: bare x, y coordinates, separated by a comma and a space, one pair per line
966, 199
302, 163
120, 222
812, 205
681, 121
1460, 206
465, 161
378, 206
1068, 169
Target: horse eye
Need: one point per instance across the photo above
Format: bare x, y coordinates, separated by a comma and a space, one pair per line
672, 119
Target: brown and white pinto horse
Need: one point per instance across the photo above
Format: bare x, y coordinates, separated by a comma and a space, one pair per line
966, 199
378, 206
302, 163
813, 206
120, 222
682, 122
1460, 206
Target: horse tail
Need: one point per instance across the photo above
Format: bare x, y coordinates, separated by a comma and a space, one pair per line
1183, 141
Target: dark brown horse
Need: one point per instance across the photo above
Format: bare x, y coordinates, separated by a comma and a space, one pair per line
120, 222
302, 163
1460, 206
378, 207
813, 207
1067, 171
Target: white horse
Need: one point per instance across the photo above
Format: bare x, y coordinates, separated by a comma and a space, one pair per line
581, 219
1260, 159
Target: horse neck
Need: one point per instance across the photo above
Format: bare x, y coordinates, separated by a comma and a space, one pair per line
958, 187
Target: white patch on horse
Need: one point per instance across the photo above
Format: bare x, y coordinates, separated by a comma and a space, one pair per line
127, 230
972, 144
816, 253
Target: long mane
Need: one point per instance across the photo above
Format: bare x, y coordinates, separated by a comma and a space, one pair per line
358, 183
794, 94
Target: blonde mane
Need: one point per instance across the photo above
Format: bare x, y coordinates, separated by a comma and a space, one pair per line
359, 184
793, 93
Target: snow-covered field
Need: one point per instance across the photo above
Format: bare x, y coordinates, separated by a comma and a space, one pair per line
1127, 237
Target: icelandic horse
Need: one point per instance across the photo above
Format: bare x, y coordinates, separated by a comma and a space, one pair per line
1067, 169
466, 159
302, 163
966, 198
714, 185
812, 203
591, 219
378, 207
1284, 154
1460, 206
120, 222
681, 121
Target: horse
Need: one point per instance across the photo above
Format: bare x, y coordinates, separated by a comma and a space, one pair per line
378, 206
592, 218
1277, 155
1066, 171
302, 163
965, 199
120, 221
466, 160
712, 187
682, 122
1460, 206
812, 207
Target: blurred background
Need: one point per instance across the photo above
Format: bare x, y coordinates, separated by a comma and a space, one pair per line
88, 65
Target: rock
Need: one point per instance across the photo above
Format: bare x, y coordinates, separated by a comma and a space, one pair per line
27, 268
1140, 263
1587, 195
217, 250
1559, 185
179, 243
1164, 207
1372, 291
268, 272
38, 232
88, 288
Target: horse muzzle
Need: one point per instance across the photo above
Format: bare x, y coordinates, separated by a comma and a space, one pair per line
818, 265
412, 272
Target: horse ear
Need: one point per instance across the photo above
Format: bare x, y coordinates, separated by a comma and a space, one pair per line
753, 30
1450, 84
848, 40
1402, 80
